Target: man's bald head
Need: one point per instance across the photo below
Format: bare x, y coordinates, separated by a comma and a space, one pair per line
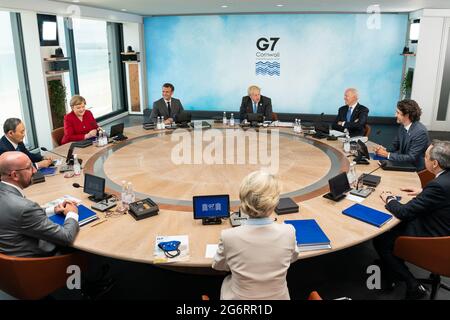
16, 168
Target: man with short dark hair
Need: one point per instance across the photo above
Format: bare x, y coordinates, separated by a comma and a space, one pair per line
426, 215
25, 230
412, 138
167, 107
14, 130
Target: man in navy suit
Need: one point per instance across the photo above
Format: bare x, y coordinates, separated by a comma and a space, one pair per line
352, 116
426, 215
14, 130
412, 139
256, 103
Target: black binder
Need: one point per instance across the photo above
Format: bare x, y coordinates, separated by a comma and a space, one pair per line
286, 205
82, 143
398, 166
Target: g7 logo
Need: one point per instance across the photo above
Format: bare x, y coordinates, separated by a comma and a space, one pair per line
263, 43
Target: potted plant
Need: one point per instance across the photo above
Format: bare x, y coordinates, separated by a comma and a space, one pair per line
407, 84
57, 95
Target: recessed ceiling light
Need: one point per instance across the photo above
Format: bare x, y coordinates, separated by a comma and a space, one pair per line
123, 9
280, 5
75, 0
224, 6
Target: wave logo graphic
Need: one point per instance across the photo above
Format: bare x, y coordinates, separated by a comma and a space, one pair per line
268, 68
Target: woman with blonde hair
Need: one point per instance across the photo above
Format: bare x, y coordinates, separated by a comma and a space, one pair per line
258, 253
79, 124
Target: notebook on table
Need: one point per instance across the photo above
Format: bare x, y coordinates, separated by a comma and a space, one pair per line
85, 215
371, 216
309, 235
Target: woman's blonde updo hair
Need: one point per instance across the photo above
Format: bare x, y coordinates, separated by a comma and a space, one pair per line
77, 100
259, 194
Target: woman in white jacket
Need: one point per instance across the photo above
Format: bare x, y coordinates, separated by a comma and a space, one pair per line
258, 253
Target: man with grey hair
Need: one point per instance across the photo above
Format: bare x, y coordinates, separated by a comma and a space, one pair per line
14, 130
426, 215
352, 116
25, 230
254, 102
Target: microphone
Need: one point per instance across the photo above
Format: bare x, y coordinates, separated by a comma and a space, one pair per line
76, 185
46, 150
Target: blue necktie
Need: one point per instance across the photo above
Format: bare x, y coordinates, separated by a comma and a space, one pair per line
349, 114
254, 107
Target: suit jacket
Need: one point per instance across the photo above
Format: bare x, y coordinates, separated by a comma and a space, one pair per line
428, 214
160, 109
74, 129
5, 146
258, 257
264, 107
25, 230
357, 121
410, 146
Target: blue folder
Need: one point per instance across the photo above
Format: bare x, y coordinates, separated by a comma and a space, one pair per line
308, 233
375, 157
366, 214
85, 215
48, 171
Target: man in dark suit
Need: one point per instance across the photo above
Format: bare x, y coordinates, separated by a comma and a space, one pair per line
14, 130
167, 106
426, 215
352, 116
256, 103
412, 138
25, 230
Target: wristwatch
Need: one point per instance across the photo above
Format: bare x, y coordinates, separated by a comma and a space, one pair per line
389, 198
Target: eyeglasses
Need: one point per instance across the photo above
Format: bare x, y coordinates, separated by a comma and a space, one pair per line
168, 248
27, 168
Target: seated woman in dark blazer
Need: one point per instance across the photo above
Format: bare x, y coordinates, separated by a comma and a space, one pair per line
79, 124
258, 253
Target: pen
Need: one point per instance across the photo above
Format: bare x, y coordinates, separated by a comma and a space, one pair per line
98, 223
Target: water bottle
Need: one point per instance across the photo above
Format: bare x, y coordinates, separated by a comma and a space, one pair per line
76, 165
105, 138
232, 120
224, 119
351, 174
122, 206
295, 125
129, 197
347, 141
299, 126
158, 124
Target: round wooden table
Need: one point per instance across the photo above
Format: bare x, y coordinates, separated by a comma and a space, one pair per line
152, 161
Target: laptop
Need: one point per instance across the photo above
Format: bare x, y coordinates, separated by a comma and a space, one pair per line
339, 185
116, 133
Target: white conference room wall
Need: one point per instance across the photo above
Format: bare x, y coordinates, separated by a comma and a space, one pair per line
429, 64
35, 54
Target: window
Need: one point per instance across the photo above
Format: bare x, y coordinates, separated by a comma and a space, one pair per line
92, 62
13, 77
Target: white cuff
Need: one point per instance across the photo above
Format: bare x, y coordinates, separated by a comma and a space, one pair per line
389, 154
49, 211
37, 165
72, 215
343, 123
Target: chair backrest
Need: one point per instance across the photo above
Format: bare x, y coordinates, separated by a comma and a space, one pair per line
57, 136
425, 177
36, 278
367, 130
429, 253
314, 295
274, 116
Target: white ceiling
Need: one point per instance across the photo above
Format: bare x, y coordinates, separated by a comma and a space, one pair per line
175, 7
